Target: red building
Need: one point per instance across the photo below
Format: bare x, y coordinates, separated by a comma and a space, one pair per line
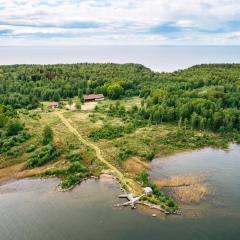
93, 97
53, 105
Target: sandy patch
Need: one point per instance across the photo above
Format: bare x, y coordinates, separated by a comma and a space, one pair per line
135, 165
88, 106
107, 178
71, 107
10, 172
19, 171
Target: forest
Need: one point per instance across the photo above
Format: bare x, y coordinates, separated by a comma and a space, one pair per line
203, 97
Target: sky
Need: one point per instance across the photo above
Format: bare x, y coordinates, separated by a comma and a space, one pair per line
119, 22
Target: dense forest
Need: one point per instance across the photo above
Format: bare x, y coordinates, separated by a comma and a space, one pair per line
204, 97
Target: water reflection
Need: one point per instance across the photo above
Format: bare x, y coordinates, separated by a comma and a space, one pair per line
33, 209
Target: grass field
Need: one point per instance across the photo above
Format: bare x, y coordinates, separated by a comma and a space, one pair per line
144, 142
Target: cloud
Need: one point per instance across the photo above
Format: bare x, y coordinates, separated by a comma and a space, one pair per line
120, 22
167, 28
4, 32
70, 24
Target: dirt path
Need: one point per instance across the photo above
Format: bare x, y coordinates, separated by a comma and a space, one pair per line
127, 183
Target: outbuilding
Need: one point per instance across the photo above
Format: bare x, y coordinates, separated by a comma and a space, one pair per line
148, 190
53, 105
93, 97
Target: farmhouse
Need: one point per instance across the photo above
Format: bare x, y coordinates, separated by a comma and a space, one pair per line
53, 105
93, 97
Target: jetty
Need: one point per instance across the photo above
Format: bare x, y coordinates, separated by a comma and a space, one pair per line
133, 200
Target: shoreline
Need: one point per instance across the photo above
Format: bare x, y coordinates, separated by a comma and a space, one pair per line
27, 174
17, 171
104, 176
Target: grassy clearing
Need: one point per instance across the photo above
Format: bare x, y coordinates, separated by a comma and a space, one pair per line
64, 141
126, 151
145, 142
127, 102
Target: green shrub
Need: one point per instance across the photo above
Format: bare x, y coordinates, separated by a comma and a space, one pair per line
107, 132
156, 190
73, 146
42, 156
76, 167
3, 120
47, 135
170, 203
7, 142
129, 128
152, 200
143, 178
74, 157
148, 155
13, 153
69, 181
54, 172
21, 137
237, 138
13, 127
124, 153
30, 148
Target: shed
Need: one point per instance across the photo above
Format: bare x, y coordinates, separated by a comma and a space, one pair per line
53, 105
147, 190
93, 97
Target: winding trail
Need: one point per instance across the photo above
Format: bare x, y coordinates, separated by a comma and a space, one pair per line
127, 183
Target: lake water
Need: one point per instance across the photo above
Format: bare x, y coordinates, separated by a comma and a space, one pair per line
33, 209
158, 58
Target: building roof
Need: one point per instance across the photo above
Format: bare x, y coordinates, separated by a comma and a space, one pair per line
148, 190
93, 96
53, 104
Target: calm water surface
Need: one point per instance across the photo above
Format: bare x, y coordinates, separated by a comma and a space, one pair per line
33, 209
158, 58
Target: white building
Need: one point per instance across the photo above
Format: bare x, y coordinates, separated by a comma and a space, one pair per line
147, 190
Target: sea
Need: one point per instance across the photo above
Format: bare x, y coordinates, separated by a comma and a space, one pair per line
158, 58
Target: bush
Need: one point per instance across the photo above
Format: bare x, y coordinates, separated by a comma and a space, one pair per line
42, 156
170, 203
69, 181
107, 132
129, 128
156, 190
72, 175
77, 167
143, 178
6, 142
148, 155
13, 128
13, 154
73, 146
3, 120
30, 148
54, 172
152, 200
125, 153
78, 105
75, 157
47, 135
